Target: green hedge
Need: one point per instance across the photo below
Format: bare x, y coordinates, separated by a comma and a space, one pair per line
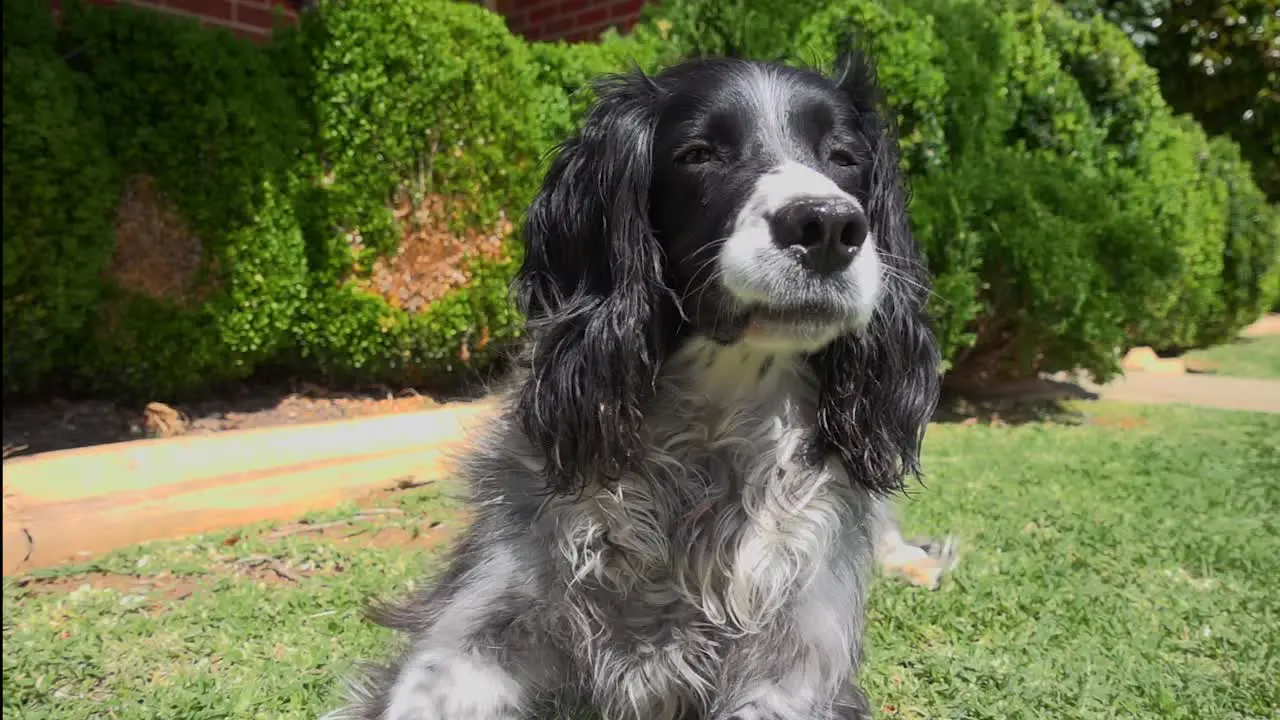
60, 189
1018, 203
1065, 211
414, 100
1251, 245
568, 69
204, 118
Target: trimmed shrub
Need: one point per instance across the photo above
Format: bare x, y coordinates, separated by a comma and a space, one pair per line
908, 57
1251, 245
1217, 62
1206, 211
28, 25
1054, 217
1185, 209
763, 29
1055, 258
60, 187
208, 269
429, 122
568, 69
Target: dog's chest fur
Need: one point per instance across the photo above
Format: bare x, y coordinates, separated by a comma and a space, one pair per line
727, 520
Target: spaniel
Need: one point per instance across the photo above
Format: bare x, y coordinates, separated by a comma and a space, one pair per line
729, 373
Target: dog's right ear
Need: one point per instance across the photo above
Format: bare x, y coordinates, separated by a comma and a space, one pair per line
592, 289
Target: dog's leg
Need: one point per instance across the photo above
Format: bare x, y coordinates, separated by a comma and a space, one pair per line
918, 561
851, 704
472, 653
799, 666
434, 684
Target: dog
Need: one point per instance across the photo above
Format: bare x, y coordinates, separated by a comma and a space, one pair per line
729, 373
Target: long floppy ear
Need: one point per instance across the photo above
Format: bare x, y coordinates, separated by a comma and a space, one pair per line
879, 386
592, 289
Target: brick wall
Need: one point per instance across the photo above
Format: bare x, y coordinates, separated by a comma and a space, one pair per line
251, 18
571, 20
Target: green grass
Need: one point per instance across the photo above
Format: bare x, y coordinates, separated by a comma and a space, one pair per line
1255, 357
1122, 567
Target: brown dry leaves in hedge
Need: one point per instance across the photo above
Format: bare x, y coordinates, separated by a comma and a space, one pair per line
155, 254
432, 259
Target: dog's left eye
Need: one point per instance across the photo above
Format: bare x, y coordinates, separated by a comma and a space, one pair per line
698, 155
842, 158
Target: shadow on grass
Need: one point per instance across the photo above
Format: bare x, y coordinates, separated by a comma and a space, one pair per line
1035, 400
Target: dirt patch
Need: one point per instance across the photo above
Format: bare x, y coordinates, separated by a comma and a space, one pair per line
1121, 422
154, 589
377, 527
156, 254
390, 529
425, 535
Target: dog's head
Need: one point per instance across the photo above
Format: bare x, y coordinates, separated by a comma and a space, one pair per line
740, 203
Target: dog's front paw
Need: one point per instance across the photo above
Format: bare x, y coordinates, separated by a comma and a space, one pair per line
920, 561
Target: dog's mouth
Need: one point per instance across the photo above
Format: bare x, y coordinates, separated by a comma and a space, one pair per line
800, 315
804, 326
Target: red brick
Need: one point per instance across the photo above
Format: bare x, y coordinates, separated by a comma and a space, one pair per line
217, 9
557, 27
254, 16
591, 18
569, 6
543, 14
626, 9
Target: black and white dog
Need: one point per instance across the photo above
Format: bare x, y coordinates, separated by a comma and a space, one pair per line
729, 374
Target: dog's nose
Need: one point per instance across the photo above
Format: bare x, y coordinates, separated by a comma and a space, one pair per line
827, 233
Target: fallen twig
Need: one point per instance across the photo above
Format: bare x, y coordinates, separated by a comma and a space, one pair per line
273, 564
279, 569
408, 483
306, 528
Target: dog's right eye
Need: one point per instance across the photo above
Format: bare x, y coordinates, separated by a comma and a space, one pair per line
698, 155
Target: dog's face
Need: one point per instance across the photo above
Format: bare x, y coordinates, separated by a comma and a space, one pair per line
758, 198
745, 202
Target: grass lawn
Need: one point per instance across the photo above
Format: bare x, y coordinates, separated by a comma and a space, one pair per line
1124, 565
1250, 357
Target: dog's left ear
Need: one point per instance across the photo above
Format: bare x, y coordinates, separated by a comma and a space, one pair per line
879, 386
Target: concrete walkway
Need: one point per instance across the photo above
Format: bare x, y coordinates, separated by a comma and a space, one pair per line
1228, 393
73, 504
1212, 391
